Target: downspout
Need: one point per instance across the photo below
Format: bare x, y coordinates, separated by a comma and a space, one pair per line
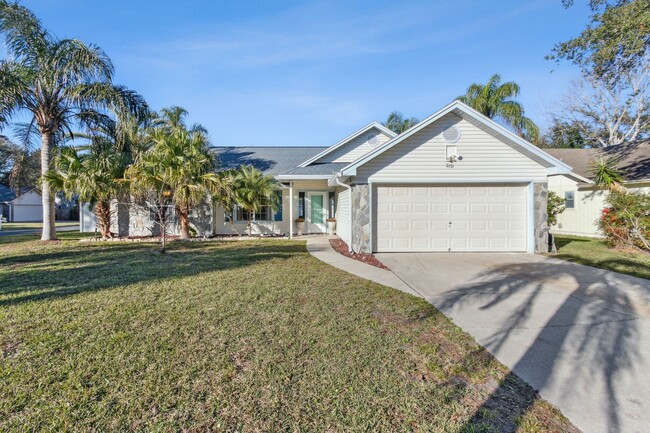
337, 179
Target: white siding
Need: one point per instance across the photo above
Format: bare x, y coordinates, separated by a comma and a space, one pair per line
589, 204
343, 214
423, 157
355, 148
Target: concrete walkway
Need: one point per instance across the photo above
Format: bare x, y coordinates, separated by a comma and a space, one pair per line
319, 247
579, 335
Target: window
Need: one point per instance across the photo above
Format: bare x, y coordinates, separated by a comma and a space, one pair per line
264, 214
569, 200
332, 203
301, 205
278, 212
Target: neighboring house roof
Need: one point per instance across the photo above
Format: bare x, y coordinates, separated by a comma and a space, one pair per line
553, 165
8, 194
632, 159
270, 160
355, 134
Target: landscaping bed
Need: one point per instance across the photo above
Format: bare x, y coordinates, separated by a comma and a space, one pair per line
245, 336
342, 248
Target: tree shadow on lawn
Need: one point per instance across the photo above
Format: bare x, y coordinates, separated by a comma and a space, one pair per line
71, 269
591, 327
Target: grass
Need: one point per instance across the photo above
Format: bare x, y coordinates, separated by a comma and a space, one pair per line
35, 225
596, 253
234, 336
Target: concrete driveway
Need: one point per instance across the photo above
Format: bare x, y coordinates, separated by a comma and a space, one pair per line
579, 335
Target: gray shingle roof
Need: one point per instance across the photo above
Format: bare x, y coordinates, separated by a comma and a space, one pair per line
632, 160
329, 168
270, 160
7, 194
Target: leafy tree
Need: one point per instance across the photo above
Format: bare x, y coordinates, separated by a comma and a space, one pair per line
496, 101
567, 134
60, 82
616, 40
19, 166
554, 207
177, 170
611, 113
398, 124
253, 190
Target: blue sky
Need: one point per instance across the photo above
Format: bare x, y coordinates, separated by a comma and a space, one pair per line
276, 73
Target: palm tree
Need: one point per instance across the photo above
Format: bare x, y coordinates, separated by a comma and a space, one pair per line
92, 176
226, 198
495, 100
253, 190
60, 82
177, 169
398, 124
606, 174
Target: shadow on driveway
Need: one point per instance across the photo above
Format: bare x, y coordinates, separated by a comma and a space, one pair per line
579, 335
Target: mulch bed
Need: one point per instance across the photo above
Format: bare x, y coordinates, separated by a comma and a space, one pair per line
342, 248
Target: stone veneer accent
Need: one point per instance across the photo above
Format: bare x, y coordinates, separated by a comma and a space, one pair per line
361, 214
540, 193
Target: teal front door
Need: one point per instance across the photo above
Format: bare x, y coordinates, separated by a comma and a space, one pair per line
316, 212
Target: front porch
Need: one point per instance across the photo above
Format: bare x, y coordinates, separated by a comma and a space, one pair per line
305, 208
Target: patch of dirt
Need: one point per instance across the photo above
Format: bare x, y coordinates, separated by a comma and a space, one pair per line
342, 248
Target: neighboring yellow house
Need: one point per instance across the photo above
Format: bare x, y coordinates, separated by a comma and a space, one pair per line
584, 200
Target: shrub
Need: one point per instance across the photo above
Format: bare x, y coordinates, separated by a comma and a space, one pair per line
554, 207
626, 220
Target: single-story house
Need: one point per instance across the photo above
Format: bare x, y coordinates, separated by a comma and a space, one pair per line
20, 206
584, 201
457, 181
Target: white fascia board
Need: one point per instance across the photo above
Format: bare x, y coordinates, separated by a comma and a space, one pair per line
351, 169
302, 176
350, 137
481, 180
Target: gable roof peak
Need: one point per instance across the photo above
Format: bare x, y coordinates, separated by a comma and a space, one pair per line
355, 134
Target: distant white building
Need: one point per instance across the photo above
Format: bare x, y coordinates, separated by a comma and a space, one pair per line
20, 206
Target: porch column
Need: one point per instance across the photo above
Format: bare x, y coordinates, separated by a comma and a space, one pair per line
291, 210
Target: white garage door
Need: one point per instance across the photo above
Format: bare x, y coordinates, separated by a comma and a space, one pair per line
450, 218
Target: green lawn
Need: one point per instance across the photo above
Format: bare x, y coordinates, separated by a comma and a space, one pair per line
234, 336
35, 225
595, 252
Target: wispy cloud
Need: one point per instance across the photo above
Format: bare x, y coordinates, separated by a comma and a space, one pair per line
322, 32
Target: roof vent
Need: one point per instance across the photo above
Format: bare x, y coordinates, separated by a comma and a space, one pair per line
372, 139
451, 134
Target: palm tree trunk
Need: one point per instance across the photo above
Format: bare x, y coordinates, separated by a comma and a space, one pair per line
250, 224
49, 223
103, 212
184, 217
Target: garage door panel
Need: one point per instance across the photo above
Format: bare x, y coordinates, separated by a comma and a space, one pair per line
483, 218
